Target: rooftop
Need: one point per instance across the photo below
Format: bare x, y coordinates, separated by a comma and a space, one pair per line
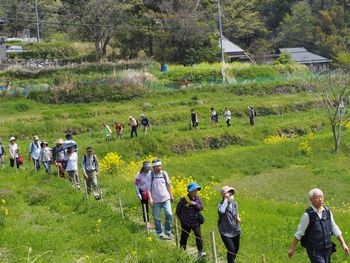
302, 56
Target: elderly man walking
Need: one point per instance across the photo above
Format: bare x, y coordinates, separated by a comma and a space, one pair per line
161, 196
315, 229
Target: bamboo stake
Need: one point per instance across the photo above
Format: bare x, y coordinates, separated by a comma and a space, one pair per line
213, 246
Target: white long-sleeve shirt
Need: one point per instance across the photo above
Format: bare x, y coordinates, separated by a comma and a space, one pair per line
72, 162
305, 220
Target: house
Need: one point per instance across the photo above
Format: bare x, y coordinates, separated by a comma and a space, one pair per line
232, 51
315, 62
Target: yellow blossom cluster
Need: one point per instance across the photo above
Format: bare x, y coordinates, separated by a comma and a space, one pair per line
304, 145
4, 212
179, 187
111, 163
272, 139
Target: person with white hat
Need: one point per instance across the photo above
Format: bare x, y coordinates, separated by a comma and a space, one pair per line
161, 197
133, 124
188, 210
45, 156
229, 222
34, 152
13, 152
2, 154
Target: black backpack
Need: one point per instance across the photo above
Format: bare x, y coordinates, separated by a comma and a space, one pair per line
311, 213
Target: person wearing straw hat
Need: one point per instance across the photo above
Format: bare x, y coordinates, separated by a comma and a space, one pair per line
229, 222
2, 154
142, 184
161, 197
58, 155
13, 152
315, 230
187, 210
34, 152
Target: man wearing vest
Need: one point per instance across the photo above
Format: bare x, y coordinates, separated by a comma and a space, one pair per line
34, 152
90, 172
161, 196
318, 225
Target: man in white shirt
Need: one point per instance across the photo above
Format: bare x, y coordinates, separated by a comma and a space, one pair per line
227, 114
34, 152
317, 224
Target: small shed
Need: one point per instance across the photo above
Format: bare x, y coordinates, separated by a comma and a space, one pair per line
232, 51
315, 62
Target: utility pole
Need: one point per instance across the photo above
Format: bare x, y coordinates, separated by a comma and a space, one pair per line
37, 22
222, 50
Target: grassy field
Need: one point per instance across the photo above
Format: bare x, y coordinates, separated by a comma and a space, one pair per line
48, 221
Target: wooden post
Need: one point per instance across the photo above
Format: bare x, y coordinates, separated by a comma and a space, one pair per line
146, 217
176, 232
213, 246
263, 258
121, 208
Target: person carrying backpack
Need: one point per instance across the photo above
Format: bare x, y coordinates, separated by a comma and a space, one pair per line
72, 166
315, 230
58, 155
188, 209
90, 171
34, 152
161, 197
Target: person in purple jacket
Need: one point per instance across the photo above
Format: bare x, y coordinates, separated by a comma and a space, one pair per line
187, 210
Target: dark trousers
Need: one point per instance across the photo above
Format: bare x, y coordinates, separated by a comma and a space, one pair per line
228, 123
232, 246
251, 120
145, 216
133, 131
36, 164
12, 162
197, 233
320, 256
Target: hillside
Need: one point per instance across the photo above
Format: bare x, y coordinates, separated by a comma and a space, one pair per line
47, 220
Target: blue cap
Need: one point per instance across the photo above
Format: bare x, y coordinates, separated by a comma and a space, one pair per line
193, 186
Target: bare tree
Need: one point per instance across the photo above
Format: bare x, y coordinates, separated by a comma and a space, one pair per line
334, 92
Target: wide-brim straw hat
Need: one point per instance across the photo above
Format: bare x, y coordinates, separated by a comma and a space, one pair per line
226, 189
12, 139
59, 141
36, 138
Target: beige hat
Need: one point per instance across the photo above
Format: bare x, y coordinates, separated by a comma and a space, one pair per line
36, 138
12, 139
59, 141
226, 189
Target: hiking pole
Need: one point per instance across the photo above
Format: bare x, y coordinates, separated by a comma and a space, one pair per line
146, 217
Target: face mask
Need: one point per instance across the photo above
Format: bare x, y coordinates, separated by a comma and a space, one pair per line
230, 200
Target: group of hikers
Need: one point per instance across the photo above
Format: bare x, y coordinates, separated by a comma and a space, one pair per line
153, 187
132, 122
214, 117
63, 156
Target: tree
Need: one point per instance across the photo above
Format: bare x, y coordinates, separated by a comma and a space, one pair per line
334, 92
93, 20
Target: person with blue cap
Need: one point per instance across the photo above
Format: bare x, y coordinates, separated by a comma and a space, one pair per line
188, 210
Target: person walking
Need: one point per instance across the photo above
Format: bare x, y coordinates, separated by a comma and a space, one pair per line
34, 152
107, 132
69, 142
227, 115
133, 125
45, 156
161, 197
145, 123
194, 119
187, 210
315, 229
72, 166
13, 152
90, 171
229, 223
252, 114
2, 154
118, 130
214, 118
142, 185
58, 155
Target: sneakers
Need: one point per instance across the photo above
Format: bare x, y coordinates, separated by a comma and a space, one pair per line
169, 236
202, 254
165, 236
97, 197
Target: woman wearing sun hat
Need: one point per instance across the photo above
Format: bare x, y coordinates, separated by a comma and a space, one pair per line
13, 152
187, 210
229, 222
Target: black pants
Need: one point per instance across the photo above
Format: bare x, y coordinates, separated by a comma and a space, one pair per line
320, 256
12, 162
36, 164
197, 233
251, 120
144, 202
232, 246
228, 123
133, 131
